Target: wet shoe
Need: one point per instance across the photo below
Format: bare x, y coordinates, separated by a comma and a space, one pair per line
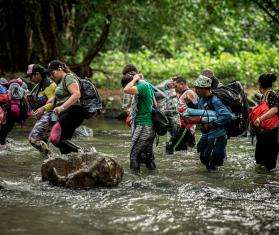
169, 149
151, 166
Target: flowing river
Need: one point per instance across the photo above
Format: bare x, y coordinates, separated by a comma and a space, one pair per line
180, 198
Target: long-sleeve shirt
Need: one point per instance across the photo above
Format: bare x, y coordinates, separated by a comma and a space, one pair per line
223, 116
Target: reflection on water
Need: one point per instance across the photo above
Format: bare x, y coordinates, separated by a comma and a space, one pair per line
182, 197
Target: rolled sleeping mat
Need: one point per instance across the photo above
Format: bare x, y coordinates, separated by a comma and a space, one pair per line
198, 112
198, 120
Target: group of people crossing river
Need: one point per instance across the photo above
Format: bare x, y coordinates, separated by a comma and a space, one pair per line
60, 101
220, 111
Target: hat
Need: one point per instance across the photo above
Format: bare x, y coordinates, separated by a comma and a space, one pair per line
35, 68
55, 65
203, 82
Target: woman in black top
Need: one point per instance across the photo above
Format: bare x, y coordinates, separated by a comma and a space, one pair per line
267, 141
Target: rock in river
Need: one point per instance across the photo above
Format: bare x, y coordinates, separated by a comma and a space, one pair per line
82, 170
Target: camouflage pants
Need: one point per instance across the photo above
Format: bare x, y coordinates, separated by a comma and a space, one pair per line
142, 144
38, 137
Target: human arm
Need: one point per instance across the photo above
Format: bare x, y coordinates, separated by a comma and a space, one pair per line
155, 102
269, 114
74, 90
49, 93
273, 103
188, 96
130, 88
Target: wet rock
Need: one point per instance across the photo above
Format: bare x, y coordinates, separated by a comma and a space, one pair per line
82, 170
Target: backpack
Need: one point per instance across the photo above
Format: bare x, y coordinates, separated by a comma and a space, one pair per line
234, 97
90, 99
160, 122
18, 106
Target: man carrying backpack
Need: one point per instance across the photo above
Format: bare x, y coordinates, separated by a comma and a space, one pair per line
143, 133
212, 145
183, 136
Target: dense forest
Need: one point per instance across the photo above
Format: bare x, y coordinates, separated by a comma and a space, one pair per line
237, 39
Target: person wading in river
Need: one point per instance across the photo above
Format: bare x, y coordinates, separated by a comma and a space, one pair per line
267, 145
67, 107
184, 136
143, 134
40, 102
212, 145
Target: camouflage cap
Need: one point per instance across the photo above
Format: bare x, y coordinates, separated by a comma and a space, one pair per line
203, 82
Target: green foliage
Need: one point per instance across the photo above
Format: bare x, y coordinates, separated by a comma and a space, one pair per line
167, 26
244, 66
164, 38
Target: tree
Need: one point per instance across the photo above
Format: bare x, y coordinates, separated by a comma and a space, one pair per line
270, 8
37, 31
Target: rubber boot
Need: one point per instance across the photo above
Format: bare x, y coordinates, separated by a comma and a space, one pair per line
66, 146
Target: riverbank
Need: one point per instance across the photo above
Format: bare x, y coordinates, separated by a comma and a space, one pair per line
112, 103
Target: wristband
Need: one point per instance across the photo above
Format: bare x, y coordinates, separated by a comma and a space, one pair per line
62, 108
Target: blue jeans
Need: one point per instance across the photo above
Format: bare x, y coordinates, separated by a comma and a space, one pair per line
212, 151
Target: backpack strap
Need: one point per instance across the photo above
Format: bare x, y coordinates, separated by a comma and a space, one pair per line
266, 96
64, 84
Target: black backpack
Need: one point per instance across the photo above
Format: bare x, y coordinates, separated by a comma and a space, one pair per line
160, 122
90, 99
234, 97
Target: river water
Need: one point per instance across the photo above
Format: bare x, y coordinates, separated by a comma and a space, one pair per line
181, 198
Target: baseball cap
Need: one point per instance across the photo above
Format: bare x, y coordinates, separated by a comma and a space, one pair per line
55, 65
34, 68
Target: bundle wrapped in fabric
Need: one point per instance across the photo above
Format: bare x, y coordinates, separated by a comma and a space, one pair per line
198, 116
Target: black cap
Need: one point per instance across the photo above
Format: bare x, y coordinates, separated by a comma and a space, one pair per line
55, 65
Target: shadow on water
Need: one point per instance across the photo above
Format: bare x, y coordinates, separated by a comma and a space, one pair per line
181, 197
